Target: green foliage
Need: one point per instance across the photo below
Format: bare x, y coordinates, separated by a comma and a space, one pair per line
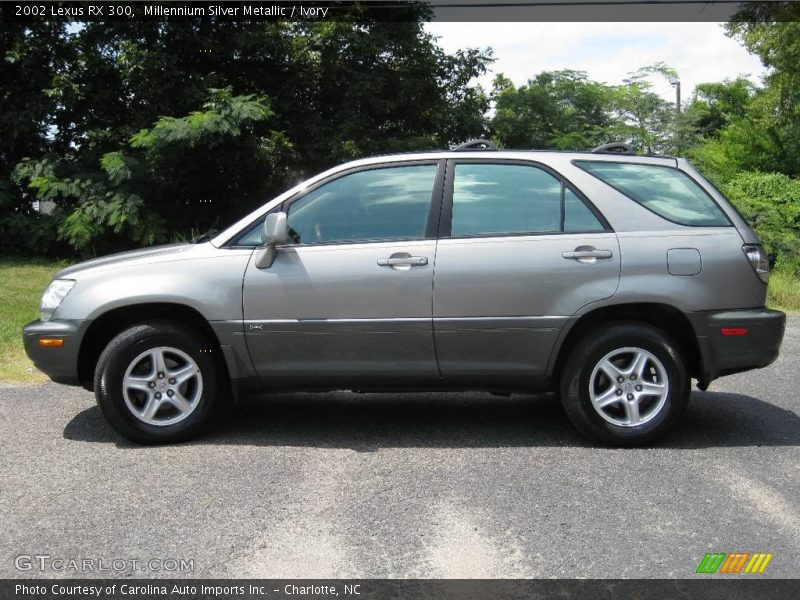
23, 282
642, 118
772, 31
564, 110
29, 55
24, 231
145, 132
168, 164
223, 116
783, 292
749, 143
556, 109
719, 104
770, 202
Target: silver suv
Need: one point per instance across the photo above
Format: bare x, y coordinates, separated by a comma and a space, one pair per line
610, 279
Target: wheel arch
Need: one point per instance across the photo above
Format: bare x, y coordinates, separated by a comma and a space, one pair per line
111, 322
670, 320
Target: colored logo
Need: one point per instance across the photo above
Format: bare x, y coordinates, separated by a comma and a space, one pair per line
734, 563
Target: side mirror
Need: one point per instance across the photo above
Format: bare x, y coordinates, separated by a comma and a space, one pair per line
275, 233
276, 230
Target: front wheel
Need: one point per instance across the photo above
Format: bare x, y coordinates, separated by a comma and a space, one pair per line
625, 385
157, 382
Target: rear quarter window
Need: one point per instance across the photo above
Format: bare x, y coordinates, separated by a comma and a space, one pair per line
668, 192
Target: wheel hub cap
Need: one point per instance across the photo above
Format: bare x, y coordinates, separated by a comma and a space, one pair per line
628, 387
162, 386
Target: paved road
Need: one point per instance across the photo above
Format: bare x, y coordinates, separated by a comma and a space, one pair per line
454, 485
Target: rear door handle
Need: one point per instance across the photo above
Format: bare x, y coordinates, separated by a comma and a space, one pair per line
578, 254
404, 261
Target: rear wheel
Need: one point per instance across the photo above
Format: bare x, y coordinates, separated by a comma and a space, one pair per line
625, 385
157, 382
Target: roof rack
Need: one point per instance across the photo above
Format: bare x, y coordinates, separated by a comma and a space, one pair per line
478, 144
614, 148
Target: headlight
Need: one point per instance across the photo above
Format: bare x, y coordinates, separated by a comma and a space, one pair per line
53, 296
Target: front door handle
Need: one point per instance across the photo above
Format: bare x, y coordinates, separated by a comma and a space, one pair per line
403, 261
587, 254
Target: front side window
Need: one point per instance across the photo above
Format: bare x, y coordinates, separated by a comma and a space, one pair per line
389, 203
666, 191
252, 236
506, 199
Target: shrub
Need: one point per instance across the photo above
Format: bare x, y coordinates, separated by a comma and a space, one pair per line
770, 202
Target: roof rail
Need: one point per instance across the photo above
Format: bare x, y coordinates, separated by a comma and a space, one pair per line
614, 148
477, 144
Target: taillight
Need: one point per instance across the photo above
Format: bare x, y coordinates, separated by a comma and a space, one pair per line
758, 260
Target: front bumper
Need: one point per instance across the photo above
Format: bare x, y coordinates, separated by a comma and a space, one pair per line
753, 340
59, 363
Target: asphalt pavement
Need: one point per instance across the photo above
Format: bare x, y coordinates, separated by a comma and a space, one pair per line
419, 485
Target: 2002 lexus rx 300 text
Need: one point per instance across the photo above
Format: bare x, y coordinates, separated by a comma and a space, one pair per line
610, 279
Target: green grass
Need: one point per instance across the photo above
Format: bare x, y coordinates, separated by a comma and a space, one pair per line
784, 292
22, 282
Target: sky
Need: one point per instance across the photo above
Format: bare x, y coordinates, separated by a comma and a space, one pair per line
700, 51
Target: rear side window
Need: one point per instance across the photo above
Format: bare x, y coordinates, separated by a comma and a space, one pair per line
507, 199
668, 192
577, 216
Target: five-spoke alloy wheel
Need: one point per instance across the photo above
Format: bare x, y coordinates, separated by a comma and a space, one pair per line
625, 384
628, 387
162, 386
157, 382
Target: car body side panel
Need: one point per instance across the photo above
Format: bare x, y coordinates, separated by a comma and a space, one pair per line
201, 277
725, 281
500, 302
331, 311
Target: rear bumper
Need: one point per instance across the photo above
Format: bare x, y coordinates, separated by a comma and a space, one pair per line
753, 340
59, 364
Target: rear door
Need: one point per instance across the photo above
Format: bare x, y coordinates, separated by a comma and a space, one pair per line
520, 251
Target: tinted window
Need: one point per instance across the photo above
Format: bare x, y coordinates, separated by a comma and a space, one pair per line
501, 199
391, 203
252, 237
577, 216
668, 192
496, 199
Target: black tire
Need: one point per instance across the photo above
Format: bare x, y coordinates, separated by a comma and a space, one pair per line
124, 349
577, 373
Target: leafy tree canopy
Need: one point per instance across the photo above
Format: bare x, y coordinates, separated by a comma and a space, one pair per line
141, 132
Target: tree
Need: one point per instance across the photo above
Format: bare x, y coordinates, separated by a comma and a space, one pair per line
30, 57
719, 104
337, 90
180, 175
556, 109
771, 204
772, 31
641, 117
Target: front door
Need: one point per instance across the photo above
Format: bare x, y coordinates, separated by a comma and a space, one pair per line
521, 251
350, 301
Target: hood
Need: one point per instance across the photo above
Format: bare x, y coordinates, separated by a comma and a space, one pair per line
153, 254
